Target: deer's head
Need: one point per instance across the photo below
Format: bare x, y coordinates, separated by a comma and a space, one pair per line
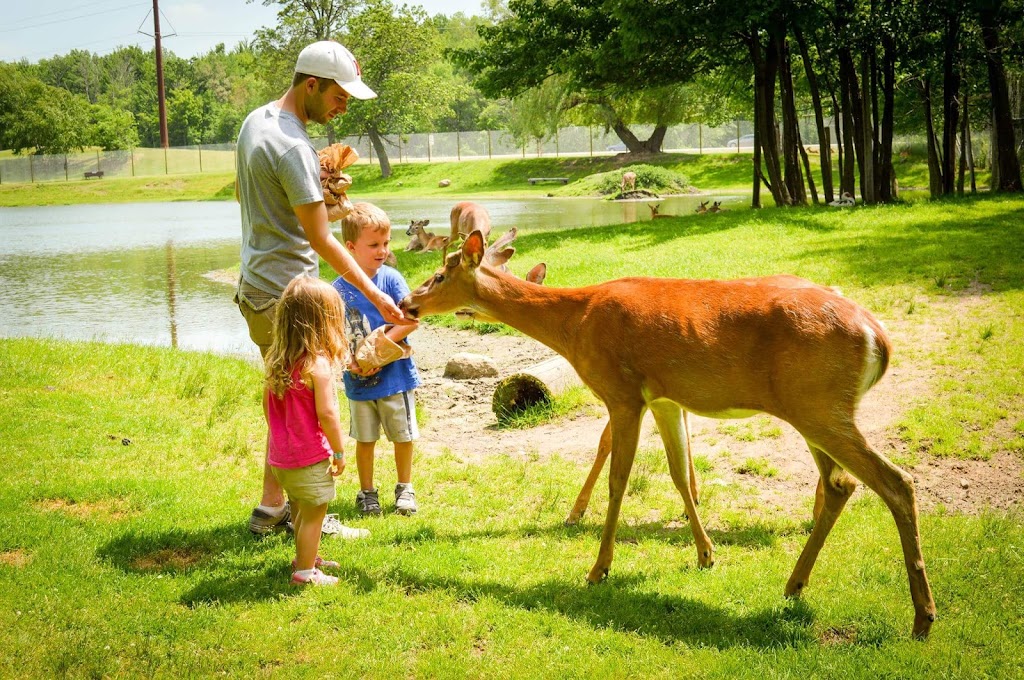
415, 225
453, 285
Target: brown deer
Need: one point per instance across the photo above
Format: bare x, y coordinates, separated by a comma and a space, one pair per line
716, 207
723, 349
497, 255
425, 240
467, 216
702, 208
654, 211
628, 180
416, 227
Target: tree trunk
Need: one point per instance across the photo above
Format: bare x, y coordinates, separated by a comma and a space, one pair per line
961, 173
766, 67
1006, 166
824, 148
934, 165
755, 200
867, 187
382, 153
950, 102
970, 156
651, 145
790, 124
886, 173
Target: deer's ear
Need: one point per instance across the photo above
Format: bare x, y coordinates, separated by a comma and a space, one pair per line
537, 274
473, 249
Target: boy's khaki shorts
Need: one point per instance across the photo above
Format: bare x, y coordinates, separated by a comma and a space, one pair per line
396, 414
311, 485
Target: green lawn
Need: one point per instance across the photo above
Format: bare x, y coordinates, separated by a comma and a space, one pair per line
131, 470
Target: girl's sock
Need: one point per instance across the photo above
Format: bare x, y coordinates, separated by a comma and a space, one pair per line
305, 573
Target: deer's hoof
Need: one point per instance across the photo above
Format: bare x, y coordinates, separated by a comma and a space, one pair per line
597, 575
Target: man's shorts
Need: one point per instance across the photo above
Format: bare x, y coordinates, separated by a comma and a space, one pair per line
312, 485
396, 414
257, 307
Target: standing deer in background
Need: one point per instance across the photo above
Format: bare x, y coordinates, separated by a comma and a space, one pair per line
426, 241
467, 216
722, 349
654, 211
628, 180
702, 208
416, 227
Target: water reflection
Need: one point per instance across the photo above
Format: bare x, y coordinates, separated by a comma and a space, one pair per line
140, 272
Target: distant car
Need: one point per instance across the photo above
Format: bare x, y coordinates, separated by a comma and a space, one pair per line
745, 140
617, 147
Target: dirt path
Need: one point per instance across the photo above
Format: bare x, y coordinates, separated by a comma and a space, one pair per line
459, 419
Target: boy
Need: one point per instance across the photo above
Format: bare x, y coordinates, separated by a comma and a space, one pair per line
378, 397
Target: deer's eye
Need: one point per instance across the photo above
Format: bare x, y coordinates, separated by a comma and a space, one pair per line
438, 278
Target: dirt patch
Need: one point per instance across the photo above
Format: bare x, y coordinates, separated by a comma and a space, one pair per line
15, 558
109, 509
459, 419
168, 559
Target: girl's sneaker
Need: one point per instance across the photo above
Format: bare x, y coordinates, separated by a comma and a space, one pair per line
321, 563
317, 578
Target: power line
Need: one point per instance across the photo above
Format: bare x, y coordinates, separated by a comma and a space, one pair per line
76, 18
59, 11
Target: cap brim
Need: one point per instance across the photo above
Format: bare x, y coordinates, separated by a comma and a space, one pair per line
358, 89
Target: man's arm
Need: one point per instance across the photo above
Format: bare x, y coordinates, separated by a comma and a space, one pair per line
313, 218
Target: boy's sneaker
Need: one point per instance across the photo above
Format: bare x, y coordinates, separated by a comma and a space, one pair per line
405, 499
368, 502
317, 578
262, 523
333, 527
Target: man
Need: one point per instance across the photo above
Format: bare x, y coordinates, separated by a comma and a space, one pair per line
285, 223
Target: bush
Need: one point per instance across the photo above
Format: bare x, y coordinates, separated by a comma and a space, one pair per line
650, 177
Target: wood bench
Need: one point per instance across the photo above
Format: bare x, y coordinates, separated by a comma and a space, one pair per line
534, 180
96, 173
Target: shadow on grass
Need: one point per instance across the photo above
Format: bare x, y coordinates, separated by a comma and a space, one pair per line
201, 553
621, 604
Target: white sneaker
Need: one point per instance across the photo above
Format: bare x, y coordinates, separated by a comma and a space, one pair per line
405, 499
333, 527
317, 578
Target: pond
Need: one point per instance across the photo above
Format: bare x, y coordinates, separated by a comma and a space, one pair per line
140, 272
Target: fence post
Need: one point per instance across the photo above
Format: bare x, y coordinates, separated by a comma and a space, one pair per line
98, 160
556, 142
200, 147
458, 145
399, 147
737, 135
488, 144
133, 160
429, 136
700, 138
166, 171
31, 170
66, 168
590, 129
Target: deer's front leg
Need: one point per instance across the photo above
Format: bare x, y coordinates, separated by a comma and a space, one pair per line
625, 425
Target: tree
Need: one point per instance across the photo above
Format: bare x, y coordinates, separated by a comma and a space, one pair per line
397, 49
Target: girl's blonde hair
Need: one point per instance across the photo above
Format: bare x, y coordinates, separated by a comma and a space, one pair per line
309, 322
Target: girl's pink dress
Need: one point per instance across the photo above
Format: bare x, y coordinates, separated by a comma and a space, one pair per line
296, 438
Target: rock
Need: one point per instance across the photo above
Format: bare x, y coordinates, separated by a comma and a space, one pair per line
465, 366
444, 183
964, 484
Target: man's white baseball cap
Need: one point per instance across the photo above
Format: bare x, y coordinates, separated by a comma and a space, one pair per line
328, 59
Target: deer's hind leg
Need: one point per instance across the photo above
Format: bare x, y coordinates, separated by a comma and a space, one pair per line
604, 447
835, 486
672, 424
896, 488
625, 428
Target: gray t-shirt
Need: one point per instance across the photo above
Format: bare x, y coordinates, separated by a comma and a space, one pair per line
278, 168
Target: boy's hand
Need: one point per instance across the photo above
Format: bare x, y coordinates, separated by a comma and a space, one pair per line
353, 368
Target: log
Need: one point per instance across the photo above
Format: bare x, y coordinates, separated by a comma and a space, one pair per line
535, 384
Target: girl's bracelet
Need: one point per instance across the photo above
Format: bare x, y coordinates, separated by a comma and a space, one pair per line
338, 455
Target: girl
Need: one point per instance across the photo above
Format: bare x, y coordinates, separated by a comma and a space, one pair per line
301, 403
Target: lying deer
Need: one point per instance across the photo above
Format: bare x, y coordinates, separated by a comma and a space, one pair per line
416, 227
722, 349
654, 211
467, 216
628, 180
716, 207
702, 208
425, 240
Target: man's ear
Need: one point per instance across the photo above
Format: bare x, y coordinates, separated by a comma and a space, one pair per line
473, 249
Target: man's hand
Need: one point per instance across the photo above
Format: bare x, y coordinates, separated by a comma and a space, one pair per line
338, 211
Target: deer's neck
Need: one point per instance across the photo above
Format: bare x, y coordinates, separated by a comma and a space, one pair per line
545, 314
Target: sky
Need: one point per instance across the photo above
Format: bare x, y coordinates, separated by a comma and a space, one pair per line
42, 29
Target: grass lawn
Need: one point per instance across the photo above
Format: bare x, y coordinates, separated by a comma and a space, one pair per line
131, 471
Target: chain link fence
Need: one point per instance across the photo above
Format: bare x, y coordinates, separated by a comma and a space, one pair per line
411, 148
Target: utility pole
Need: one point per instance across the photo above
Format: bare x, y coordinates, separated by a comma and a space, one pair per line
160, 75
